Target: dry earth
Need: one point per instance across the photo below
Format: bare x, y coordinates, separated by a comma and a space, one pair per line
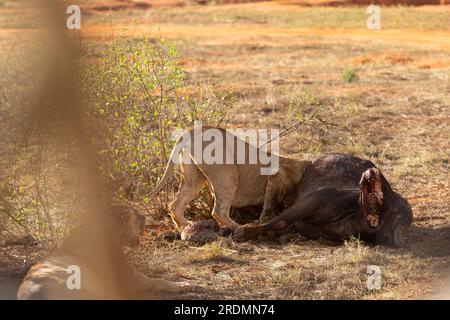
398, 116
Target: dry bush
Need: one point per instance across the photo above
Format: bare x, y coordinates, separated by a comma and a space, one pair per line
35, 200
135, 95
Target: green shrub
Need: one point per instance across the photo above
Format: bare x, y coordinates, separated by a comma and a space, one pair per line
139, 94
349, 75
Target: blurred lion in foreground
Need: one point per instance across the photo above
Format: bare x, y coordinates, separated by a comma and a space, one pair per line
102, 275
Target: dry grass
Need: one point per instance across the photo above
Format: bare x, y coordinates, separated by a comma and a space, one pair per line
296, 269
399, 117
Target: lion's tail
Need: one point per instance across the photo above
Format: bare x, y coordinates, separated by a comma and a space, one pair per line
169, 169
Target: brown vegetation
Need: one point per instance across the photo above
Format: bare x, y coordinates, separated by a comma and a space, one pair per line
278, 60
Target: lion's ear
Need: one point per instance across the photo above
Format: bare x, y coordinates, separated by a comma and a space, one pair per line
120, 214
125, 217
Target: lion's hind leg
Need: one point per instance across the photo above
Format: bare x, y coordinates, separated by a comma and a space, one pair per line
224, 193
192, 181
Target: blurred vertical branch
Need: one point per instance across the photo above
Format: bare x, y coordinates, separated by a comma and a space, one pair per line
57, 111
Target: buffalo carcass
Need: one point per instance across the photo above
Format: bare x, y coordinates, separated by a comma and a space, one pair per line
338, 197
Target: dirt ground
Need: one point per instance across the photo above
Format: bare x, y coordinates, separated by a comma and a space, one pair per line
265, 53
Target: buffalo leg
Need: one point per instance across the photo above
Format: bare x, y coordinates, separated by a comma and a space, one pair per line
285, 220
309, 231
335, 231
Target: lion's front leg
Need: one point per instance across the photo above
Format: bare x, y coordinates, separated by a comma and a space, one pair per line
271, 204
146, 284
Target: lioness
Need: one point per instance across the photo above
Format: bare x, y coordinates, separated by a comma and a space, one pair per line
123, 226
237, 183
